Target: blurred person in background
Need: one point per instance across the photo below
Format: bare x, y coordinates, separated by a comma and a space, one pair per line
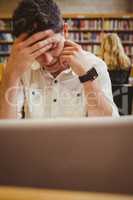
118, 63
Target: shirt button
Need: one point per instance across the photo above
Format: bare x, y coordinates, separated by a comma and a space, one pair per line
78, 95
55, 81
55, 100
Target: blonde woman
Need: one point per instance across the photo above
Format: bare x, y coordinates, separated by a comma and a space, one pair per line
112, 52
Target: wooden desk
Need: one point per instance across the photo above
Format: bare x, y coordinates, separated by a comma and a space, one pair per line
7, 193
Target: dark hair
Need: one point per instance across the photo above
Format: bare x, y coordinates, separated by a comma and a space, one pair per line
32, 16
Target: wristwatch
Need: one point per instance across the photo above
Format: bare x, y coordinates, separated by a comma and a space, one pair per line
91, 75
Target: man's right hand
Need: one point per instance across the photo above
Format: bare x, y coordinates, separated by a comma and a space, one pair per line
25, 51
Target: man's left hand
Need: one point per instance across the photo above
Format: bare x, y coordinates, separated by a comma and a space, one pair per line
73, 56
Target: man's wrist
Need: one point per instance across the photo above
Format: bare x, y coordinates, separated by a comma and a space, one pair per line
81, 71
90, 75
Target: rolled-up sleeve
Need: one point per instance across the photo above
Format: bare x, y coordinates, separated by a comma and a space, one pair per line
103, 78
105, 84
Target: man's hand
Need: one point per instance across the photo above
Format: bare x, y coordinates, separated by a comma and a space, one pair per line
25, 51
73, 56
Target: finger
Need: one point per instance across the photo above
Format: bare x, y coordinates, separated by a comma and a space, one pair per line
40, 45
70, 43
41, 51
21, 38
51, 40
68, 53
70, 49
38, 36
65, 58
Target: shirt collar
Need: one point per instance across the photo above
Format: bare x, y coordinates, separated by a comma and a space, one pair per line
64, 72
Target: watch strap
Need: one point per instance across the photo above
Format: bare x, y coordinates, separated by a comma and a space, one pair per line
91, 75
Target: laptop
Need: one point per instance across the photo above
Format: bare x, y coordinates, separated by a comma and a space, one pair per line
89, 154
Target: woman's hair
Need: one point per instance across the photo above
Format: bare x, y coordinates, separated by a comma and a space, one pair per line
32, 16
112, 52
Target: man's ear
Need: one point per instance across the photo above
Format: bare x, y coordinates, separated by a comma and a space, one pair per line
66, 34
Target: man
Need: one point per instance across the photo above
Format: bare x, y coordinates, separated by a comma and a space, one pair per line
48, 74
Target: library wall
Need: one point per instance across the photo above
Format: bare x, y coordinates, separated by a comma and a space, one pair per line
67, 6
95, 6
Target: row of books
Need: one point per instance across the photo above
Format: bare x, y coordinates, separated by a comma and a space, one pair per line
126, 37
129, 50
85, 37
94, 24
3, 59
6, 37
99, 24
5, 48
5, 25
118, 25
84, 24
94, 49
96, 37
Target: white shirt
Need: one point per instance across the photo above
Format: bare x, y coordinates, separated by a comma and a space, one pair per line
44, 96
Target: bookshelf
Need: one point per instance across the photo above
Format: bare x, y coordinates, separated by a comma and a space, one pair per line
85, 29
88, 30
6, 38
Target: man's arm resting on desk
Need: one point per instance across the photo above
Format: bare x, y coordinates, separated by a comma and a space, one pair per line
97, 104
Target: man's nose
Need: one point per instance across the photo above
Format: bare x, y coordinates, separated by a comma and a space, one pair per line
48, 58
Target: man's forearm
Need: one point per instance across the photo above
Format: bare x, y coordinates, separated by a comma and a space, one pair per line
8, 98
97, 104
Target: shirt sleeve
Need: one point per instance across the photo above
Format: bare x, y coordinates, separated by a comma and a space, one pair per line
105, 83
90, 60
